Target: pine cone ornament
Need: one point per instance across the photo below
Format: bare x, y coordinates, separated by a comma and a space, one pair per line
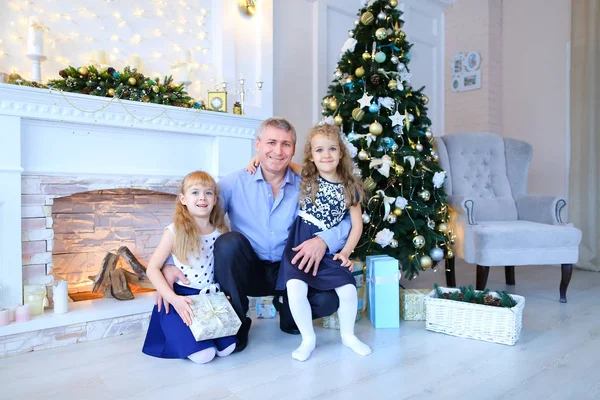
63, 74
110, 70
375, 80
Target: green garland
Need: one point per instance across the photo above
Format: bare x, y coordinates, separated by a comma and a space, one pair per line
128, 84
468, 294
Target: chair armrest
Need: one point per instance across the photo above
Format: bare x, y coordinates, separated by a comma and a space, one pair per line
463, 205
540, 208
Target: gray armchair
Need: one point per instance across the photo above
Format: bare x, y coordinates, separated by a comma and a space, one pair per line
495, 221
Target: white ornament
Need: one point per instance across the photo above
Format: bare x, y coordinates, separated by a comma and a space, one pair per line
397, 119
438, 179
382, 164
352, 150
387, 102
405, 76
411, 160
401, 202
329, 121
365, 100
384, 237
387, 202
349, 45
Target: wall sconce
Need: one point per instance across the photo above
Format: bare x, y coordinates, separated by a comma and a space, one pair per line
248, 7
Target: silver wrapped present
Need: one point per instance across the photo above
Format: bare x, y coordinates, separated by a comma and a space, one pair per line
214, 317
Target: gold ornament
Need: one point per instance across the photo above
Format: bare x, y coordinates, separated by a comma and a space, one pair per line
325, 102
401, 35
381, 33
171, 86
366, 56
367, 18
363, 155
425, 195
426, 262
111, 92
418, 241
393, 3
237, 108
146, 99
375, 128
131, 81
360, 71
442, 227
392, 85
14, 76
398, 169
358, 114
155, 89
397, 212
338, 120
370, 184
332, 104
449, 254
428, 133
425, 99
83, 71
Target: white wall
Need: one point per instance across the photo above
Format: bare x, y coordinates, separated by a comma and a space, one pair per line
535, 34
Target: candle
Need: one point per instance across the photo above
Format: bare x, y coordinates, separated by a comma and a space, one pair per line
22, 313
99, 57
4, 317
11, 312
60, 295
135, 62
35, 40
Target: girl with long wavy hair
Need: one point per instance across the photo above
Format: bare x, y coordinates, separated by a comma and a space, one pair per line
190, 240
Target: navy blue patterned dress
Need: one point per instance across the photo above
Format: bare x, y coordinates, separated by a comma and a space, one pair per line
328, 210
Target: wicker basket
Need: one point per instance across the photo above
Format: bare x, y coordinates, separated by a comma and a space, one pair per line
474, 321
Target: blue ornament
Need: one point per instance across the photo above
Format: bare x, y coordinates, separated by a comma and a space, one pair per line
380, 57
388, 142
351, 136
116, 75
374, 108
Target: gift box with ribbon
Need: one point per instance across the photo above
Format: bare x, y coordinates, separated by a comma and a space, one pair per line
383, 296
214, 317
412, 304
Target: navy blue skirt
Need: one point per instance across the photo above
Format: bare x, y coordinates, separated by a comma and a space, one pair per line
331, 274
169, 337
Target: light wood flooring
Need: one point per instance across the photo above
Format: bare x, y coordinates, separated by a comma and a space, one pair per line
557, 357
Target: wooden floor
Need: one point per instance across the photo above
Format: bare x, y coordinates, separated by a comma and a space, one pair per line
557, 357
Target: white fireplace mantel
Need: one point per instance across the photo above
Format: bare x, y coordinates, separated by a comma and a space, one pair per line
50, 133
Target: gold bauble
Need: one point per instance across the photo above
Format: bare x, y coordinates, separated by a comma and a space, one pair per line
171, 86
370, 184
392, 85
325, 102
358, 114
155, 89
360, 71
111, 92
131, 81
146, 99
14, 76
375, 128
381, 33
449, 254
332, 104
363, 155
338, 120
418, 241
425, 99
425, 195
442, 228
426, 262
401, 35
398, 169
83, 71
397, 212
366, 56
367, 18
393, 3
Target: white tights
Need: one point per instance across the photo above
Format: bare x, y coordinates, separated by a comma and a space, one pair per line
206, 355
300, 307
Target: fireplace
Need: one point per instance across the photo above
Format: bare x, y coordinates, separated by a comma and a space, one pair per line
76, 183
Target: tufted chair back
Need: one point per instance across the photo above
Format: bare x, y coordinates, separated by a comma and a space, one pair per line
488, 168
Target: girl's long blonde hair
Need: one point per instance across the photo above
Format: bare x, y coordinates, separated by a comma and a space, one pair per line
187, 233
353, 186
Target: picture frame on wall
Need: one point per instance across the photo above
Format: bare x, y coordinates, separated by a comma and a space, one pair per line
471, 81
456, 83
458, 63
472, 61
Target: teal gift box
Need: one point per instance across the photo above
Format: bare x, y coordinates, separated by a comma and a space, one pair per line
383, 296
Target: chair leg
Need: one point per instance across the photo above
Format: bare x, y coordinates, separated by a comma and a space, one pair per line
482, 276
450, 275
509, 272
566, 271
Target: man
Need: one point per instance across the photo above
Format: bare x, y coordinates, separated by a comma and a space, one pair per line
261, 209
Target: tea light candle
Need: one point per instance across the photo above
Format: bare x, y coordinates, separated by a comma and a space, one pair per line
99, 57
135, 62
22, 313
4, 317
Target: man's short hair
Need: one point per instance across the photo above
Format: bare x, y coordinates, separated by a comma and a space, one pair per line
276, 122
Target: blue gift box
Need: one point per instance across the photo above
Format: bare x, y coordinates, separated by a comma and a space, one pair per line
383, 302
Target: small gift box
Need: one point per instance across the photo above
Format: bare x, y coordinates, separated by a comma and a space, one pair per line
214, 317
412, 304
265, 308
382, 291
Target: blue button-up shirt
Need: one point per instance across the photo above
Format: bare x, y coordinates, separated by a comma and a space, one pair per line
266, 221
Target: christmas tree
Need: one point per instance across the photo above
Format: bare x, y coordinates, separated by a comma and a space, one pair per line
386, 125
